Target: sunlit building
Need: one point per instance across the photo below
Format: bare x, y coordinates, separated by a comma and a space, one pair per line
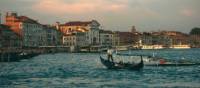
90, 28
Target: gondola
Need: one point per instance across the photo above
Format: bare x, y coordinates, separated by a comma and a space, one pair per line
114, 65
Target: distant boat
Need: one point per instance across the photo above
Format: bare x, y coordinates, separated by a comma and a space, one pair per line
180, 47
152, 47
122, 48
164, 62
121, 65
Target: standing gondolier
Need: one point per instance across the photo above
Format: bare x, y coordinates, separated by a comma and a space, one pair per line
109, 53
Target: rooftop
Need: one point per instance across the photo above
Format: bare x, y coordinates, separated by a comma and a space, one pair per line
77, 23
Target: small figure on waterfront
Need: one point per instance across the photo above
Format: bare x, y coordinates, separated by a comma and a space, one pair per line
109, 53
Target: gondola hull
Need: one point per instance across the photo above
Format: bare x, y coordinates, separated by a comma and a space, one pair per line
113, 65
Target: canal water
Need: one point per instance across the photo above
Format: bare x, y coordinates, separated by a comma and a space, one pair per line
84, 70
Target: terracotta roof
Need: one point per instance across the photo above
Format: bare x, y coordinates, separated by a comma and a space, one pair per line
106, 31
27, 19
5, 27
77, 23
124, 33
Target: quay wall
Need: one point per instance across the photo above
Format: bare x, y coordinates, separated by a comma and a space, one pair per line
17, 54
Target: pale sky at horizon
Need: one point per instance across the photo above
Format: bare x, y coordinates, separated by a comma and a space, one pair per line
120, 15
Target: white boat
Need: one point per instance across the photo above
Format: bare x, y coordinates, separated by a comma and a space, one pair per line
180, 47
155, 61
152, 47
122, 48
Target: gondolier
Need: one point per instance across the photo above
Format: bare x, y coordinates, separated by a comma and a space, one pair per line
116, 65
109, 54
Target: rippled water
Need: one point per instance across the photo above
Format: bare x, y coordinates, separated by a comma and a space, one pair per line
85, 70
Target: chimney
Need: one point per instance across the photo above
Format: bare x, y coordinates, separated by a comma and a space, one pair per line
57, 25
11, 14
14, 14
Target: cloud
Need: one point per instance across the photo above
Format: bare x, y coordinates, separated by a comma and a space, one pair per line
147, 1
187, 12
77, 6
97, 7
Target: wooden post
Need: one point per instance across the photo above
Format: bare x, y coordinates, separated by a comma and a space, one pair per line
8, 57
2, 57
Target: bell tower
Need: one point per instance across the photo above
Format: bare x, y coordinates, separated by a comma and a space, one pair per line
133, 30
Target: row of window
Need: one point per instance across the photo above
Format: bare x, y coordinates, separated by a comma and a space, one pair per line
30, 26
69, 38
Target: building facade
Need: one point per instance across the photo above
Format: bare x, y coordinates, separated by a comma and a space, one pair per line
30, 30
90, 28
8, 38
53, 36
76, 40
124, 38
106, 38
165, 38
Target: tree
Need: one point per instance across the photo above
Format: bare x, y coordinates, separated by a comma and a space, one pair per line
195, 31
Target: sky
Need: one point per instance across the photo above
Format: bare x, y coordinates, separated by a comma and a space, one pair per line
116, 15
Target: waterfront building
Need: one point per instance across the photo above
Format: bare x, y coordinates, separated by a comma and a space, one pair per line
90, 28
165, 38
137, 37
53, 36
75, 40
106, 38
133, 29
177, 38
116, 39
125, 38
8, 38
155, 38
195, 41
146, 39
30, 30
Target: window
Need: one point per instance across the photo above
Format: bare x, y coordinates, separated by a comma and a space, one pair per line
70, 29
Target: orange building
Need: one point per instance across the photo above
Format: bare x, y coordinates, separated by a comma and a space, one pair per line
30, 30
15, 21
